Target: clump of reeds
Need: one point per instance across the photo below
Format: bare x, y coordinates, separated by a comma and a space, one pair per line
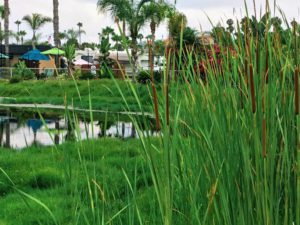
296, 79
252, 89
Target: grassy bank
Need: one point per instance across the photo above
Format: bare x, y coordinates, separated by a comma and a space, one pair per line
80, 183
103, 93
228, 153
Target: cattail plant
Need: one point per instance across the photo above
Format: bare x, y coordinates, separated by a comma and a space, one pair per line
252, 89
296, 79
154, 92
264, 138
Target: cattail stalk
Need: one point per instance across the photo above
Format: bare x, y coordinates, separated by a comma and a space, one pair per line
167, 83
257, 54
296, 91
246, 71
167, 104
241, 88
264, 138
282, 91
267, 64
252, 89
155, 98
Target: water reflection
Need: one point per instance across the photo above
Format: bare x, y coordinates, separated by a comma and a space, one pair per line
20, 134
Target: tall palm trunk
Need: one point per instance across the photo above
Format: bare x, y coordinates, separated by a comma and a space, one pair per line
79, 36
6, 29
134, 54
124, 27
33, 41
56, 23
153, 30
1, 39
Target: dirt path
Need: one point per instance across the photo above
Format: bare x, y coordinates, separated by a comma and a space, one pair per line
71, 108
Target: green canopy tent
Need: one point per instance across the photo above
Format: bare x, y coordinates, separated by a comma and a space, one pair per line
54, 51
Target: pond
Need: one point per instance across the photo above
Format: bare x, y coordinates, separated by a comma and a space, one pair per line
21, 131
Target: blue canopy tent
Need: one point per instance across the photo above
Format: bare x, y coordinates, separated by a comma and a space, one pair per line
32, 59
35, 55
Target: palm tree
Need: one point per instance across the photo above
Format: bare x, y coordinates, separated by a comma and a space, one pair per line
18, 23
22, 34
177, 23
6, 28
56, 23
107, 31
131, 12
80, 31
156, 13
118, 46
117, 39
70, 55
62, 36
1, 18
35, 22
10, 34
71, 36
38, 40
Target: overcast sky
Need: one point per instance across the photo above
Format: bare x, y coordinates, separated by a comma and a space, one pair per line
73, 11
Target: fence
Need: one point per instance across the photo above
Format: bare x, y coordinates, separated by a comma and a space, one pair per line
44, 73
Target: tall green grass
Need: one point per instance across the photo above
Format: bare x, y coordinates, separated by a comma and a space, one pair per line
227, 152
230, 152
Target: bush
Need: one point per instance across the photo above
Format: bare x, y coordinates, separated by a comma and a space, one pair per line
77, 73
42, 76
105, 72
144, 77
23, 72
28, 75
15, 79
86, 75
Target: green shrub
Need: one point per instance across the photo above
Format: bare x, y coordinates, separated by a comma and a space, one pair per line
28, 74
15, 79
144, 77
22, 71
42, 76
86, 75
77, 73
105, 72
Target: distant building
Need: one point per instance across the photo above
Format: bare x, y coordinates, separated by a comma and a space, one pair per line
15, 51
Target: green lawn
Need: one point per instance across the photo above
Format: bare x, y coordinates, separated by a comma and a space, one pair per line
104, 94
78, 182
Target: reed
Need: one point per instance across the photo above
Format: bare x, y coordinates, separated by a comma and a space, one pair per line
220, 157
252, 89
296, 78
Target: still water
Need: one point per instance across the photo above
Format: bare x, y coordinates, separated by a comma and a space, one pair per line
19, 133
